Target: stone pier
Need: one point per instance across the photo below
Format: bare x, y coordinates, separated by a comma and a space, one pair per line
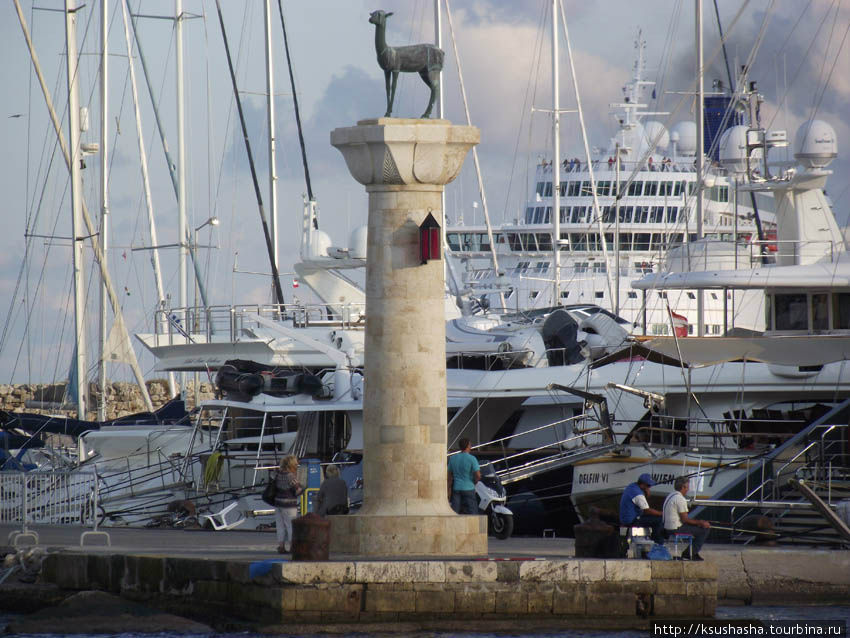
404, 165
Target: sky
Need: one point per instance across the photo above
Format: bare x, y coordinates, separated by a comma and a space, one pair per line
802, 65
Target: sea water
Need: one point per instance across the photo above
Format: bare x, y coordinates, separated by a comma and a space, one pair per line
812, 614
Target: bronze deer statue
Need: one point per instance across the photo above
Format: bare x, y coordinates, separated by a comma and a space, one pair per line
424, 59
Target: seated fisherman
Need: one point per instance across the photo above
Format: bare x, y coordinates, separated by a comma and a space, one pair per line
677, 521
635, 510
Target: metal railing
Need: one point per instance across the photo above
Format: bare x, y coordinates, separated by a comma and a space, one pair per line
51, 497
227, 323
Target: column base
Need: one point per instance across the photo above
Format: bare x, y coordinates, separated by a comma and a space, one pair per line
452, 535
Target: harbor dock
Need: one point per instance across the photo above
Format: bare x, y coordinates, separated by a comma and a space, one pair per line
236, 579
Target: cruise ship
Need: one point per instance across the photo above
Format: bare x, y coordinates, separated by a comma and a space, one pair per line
606, 244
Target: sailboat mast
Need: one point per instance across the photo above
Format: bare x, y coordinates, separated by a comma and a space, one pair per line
104, 200
181, 174
72, 61
270, 112
556, 160
699, 116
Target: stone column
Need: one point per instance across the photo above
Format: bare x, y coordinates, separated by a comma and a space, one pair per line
404, 165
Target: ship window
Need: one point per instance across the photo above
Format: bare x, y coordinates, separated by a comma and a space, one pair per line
564, 216
600, 268
714, 296
692, 237
692, 188
635, 189
585, 189
690, 328
540, 188
513, 240
586, 212
659, 329
563, 188
544, 241
715, 328
632, 294
533, 294
662, 295
791, 312
467, 240
651, 188
574, 189
454, 244
665, 188
675, 238
643, 267
691, 295
603, 188
537, 213
483, 241
593, 242
580, 267
656, 214
574, 213
625, 241
599, 294
672, 213
609, 241
528, 242
565, 294
522, 267
820, 311
841, 310
641, 241
548, 190
542, 266
547, 215
529, 215
608, 214
626, 213
679, 189
657, 241
578, 241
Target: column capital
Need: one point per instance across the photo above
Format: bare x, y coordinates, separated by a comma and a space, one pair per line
395, 151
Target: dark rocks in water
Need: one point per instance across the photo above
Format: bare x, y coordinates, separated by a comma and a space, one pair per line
95, 612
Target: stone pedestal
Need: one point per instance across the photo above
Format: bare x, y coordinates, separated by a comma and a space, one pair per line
404, 165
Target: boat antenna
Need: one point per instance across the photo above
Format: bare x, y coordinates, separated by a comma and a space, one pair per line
734, 88
278, 291
297, 114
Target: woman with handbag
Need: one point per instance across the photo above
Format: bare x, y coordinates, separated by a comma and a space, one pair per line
287, 491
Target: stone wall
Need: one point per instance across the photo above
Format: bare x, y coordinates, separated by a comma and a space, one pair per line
122, 397
626, 591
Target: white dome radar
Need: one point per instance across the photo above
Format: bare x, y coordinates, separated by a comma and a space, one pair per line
320, 242
357, 242
816, 144
732, 150
687, 134
656, 131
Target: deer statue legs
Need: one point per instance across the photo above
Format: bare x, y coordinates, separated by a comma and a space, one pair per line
432, 79
390, 90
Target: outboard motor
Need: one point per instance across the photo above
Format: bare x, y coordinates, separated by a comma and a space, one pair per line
560, 332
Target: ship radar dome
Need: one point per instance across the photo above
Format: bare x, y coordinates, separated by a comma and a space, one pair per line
816, 144
656, 131
320, 241
687, 133
357, 243
732, 150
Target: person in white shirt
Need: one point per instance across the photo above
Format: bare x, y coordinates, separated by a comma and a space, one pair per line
676, 519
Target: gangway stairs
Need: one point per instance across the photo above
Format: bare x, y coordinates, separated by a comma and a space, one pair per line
819, 457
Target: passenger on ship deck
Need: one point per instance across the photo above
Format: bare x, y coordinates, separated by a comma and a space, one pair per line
635, 510
677, 521
610, 162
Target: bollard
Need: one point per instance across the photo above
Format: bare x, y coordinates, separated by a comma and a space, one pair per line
311, 536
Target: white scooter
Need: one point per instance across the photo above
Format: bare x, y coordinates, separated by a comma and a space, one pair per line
491, 496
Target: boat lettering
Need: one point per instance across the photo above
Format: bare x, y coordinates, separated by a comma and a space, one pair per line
663, 478
586, 478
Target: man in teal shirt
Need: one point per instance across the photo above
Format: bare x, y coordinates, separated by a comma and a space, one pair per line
464, 473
